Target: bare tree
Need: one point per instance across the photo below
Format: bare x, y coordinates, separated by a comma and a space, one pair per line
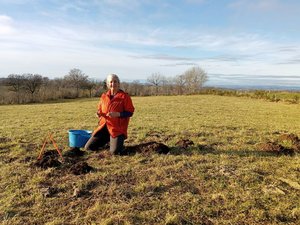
136, 88
155, 80
90, 85
180, 83
195, 78
32, 83
133, 88
76, 78
16, 83
57, 84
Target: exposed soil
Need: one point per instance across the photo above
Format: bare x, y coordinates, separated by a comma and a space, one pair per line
286, 144
146, 148
72, 163
151, 147
49, 159
275, 148
154, 147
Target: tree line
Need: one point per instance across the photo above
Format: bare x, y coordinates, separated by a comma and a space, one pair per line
29, 88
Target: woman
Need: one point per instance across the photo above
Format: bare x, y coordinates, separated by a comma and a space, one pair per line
114, 110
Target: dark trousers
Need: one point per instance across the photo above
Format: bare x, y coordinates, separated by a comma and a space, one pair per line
101, 138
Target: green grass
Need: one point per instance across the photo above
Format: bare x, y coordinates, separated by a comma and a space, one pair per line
222, 179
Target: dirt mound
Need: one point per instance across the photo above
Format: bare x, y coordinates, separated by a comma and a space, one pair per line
271, 147
70, 164
49, 159
184, 143
80, 168
275, 148
286, 144
146, 148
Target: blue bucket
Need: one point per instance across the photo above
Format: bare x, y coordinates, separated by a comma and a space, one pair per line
78, 138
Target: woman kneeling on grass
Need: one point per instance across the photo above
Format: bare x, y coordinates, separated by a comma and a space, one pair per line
114, 111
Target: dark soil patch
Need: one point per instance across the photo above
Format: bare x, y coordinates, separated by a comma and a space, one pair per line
49, 159
146, 148
80, 168
70, 164
287, 144
271, 147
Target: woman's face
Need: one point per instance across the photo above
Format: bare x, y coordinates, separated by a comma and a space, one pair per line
113, 83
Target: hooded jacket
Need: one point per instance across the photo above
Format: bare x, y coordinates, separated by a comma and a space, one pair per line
121, 102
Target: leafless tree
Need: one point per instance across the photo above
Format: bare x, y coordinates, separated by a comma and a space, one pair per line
76, 78
32, 83
180, 83
12, 88
155, 80
136, 88
194, 79
16, 83
90, 85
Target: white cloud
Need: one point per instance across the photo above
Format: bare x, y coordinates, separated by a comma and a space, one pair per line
138, 49
6, 27
89, 49
5, 19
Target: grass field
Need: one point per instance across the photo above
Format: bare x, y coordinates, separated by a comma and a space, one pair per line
223, 178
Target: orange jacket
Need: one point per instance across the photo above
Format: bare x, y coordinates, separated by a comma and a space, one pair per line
119, 103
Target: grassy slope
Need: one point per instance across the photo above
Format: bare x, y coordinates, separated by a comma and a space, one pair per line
222, 179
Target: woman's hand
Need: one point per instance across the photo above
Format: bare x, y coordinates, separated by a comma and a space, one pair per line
113, 114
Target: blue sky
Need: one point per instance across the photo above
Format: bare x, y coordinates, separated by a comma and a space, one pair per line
253, 39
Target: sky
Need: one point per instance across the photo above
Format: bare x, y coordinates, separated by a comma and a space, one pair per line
234, 41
